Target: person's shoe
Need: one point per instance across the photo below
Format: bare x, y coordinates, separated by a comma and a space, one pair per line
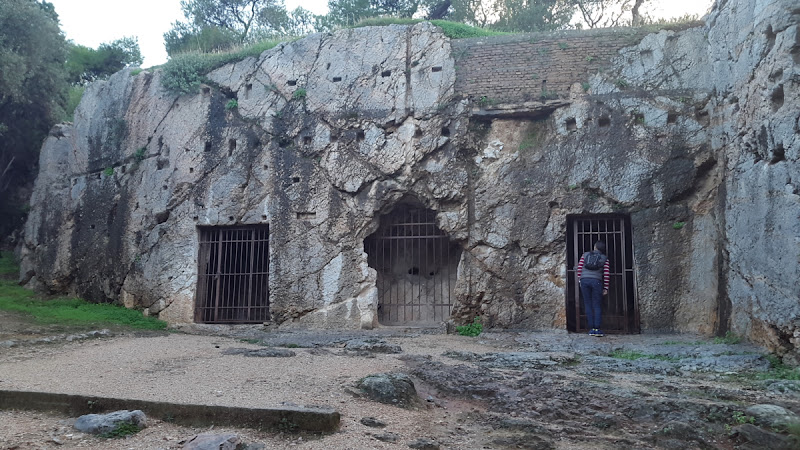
593, 332
598, 333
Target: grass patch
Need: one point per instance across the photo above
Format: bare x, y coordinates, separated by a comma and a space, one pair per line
67, 311
473, 329
453, 30
121, 431
184, 73
730, 339
779, 371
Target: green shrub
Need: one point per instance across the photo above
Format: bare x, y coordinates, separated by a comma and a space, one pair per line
232, 104
139, 154
74, 96
779, 371
729, 338
122, 430
184, 73
108, 171
678, 225
136, 71
473, 329
299, 94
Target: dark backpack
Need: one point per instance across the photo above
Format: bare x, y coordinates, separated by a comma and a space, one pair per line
594, 260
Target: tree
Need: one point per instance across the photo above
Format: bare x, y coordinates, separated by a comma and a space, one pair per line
478, 13
533, 15
85, 64
213, 25
610, 13
33, 90
345, 13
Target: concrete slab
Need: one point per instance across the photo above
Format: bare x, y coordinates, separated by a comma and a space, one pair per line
317, 420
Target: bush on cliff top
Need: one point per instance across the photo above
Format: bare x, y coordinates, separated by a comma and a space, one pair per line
453, 30
184, 73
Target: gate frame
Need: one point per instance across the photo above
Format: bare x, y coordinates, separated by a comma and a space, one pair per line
627, 274
201, 290
412, 215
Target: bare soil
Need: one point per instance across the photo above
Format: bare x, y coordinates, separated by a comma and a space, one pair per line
499, 390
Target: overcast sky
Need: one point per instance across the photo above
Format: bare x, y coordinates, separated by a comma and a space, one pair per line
93, 22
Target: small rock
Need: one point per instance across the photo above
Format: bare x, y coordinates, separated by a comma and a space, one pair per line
372, 346
772, 416
387, 437
210, 441
761, 438
260, 352
390, 388
106, 423
372, 422
424, 444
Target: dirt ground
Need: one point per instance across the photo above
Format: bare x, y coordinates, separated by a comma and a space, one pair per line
499, 390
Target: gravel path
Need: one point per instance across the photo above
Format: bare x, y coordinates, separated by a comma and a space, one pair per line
501, 390
184, 368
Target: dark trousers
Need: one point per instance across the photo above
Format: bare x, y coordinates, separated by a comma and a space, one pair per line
592, 291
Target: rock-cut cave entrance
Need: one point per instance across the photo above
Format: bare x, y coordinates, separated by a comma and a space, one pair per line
233, 275
416, 264
620, 307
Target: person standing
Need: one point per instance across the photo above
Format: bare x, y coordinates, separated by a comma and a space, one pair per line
593, 275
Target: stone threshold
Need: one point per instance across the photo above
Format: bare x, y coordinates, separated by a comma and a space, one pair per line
296, 419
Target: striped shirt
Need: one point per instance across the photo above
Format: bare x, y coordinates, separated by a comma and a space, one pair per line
606, 275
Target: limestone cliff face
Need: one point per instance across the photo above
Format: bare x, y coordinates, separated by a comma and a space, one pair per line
690, 135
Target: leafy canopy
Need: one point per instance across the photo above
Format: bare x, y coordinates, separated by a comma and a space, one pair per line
33, 92
85, 64
216, 25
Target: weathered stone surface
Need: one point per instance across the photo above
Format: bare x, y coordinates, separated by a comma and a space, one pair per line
260, 352
372, 345
754, 437
211, 441
391, 388
107, 423
772, 416
424, 444
691, 133
372, 422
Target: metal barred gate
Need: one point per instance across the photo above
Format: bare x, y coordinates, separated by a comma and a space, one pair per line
620, 306
416, 265
233, 275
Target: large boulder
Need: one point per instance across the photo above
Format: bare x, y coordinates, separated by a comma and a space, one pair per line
108, 423
390, 388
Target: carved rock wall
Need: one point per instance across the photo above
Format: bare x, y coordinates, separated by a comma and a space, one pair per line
691, 134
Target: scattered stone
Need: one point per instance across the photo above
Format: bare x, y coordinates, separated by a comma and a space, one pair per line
772, 416
260, 352
372, 422
107, 423
387, 437
210, 441
372, 345
390, 388
424, 444
787, 387
524, 441
604, 421
760, 438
